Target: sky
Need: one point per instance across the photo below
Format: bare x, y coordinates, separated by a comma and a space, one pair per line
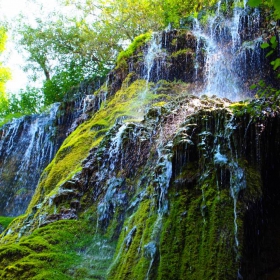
9, 10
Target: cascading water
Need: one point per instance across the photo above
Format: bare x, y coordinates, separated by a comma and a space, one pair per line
226, 51
26, 147
115, 147
28, 144
163, 179
151, 58
172, 187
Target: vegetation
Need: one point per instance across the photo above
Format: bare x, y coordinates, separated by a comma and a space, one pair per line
196, 239
66, 49
56, 251
137, 43
4, 72
5, 221
271, 3
26, 102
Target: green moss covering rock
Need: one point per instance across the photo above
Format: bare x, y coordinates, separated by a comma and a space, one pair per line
155, 184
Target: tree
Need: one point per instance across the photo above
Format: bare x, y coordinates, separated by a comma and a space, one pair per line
68, 49
60, 50
4, 73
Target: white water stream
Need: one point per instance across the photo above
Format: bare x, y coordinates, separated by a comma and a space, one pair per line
224, 52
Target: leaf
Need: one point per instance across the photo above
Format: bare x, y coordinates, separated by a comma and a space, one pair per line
254, 3
276, 4
276, 63
253, 87
273, 39
273, 42
264, 45
270, 53
261, 83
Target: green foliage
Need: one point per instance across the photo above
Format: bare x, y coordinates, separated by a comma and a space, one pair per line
275, 63
5, 74
272, 45
263, 90
65, 51
51, 252
138, 42
267, 101
175, 10
26, 102
5, 221
271, 3
123, 19
254, 3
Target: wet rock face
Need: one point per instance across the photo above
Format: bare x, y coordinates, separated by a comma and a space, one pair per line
261, 221
190, 178
172, 55
186, 187
28, 144
222, 51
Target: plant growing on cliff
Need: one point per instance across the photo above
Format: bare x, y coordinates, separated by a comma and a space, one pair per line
138, 41
271, 3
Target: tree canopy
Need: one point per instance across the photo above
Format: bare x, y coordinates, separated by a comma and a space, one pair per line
4, 72
68, 48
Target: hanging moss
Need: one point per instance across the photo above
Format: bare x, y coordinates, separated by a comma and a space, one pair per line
130, 260
182, 53
4, 222
135, 45
197, 238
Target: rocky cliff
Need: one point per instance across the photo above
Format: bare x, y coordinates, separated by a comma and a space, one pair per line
156, 181
28, 144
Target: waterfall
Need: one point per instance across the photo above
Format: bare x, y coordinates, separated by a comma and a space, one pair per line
26, 147
163, 181
226, 51
115, 146
28, 144
151, 60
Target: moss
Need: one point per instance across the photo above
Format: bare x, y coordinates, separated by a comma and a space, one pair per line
138, 42
64, 238
253, 190
197, 239
5, 221
54, 250
159, 104
130, 260
182, 52
257, 108
194, 240
238, 105
67, 162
